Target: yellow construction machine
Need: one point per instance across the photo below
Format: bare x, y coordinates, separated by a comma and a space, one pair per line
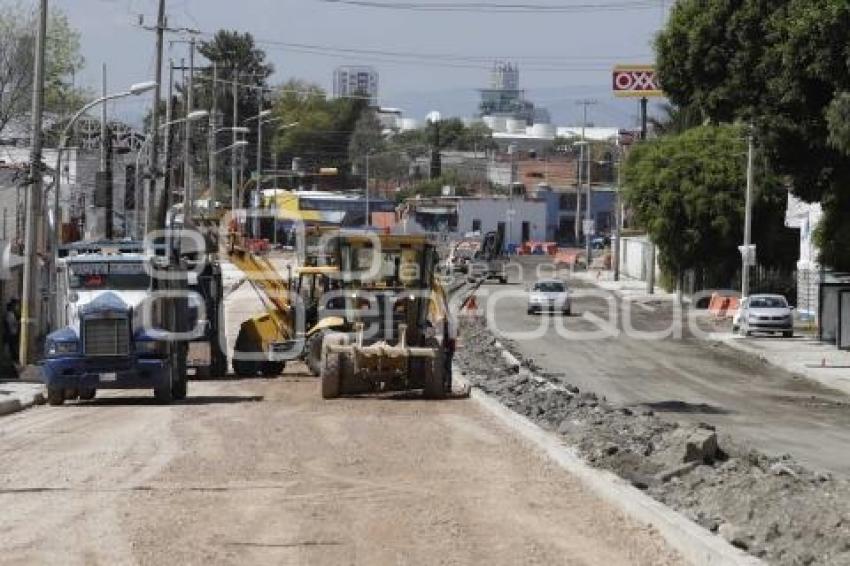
396, 334
292, 318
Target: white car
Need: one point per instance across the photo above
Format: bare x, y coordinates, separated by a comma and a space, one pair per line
549, 295
764, 313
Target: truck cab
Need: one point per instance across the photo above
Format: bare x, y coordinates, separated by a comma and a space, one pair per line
110, 332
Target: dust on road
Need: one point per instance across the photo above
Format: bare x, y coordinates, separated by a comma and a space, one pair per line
264, 471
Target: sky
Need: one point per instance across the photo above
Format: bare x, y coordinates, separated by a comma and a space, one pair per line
427, 60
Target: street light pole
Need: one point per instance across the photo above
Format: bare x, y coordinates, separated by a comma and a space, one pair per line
31, 287
748, 220
211, 137
188, 169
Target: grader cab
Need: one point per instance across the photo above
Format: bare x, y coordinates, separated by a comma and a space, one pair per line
397, 334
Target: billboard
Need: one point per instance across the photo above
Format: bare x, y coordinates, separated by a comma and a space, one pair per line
638, 81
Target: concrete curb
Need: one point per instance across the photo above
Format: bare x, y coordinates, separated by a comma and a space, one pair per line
9, 406
694, 543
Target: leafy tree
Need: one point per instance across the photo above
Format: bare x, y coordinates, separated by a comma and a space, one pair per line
687, 191
324, 126
784, 66
366, 139
17, 45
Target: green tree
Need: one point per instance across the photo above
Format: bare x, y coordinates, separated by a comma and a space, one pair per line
687, 191
324, 126
784, 66
62, 61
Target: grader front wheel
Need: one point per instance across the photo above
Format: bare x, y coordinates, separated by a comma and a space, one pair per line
434, 378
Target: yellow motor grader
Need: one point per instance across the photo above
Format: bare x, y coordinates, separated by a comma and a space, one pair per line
396, 334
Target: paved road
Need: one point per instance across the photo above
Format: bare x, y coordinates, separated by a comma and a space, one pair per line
686, 378
265, 472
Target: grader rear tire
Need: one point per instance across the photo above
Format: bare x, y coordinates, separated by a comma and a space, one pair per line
331, 375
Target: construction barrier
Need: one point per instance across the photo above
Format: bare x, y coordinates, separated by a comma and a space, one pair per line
723, 306
532, 247
567, 257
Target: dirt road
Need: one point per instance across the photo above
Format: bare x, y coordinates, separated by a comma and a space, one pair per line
263, 471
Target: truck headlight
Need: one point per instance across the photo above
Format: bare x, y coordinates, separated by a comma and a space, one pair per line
150, 348
61, 348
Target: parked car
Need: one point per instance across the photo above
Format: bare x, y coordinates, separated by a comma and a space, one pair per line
764, 313
549, 295
600, 242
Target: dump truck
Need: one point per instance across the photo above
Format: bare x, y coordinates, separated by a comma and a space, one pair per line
396, 334
122, 320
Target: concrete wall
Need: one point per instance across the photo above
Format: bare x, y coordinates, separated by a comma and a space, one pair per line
634, 258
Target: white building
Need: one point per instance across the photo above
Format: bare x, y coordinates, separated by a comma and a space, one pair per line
519, 219
806, 217
351, 81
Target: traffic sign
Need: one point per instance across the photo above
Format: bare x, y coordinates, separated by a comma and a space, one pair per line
588, 227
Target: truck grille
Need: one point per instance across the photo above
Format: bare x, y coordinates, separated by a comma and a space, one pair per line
107, 337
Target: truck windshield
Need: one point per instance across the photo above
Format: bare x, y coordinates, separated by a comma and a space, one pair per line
121, 276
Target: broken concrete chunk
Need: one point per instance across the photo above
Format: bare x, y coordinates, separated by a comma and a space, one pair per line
735, 535
701, 446
676, 472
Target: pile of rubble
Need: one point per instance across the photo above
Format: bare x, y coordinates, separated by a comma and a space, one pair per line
771, 507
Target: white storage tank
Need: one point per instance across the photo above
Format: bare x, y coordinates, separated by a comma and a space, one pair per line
515, 126
547, 131
407, 124
496, 123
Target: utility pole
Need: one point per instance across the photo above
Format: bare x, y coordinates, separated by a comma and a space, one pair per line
618, 221
213, 124
255, 221
30, 303
188, 169
103, 120
585, 152
155, 217
368, 223
234, 189
748, 220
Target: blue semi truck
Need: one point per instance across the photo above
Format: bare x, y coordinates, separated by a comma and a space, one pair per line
118, 326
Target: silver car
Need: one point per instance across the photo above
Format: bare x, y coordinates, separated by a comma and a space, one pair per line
764, 313
549, 295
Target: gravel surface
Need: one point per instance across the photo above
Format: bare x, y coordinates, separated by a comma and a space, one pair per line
770, 506
264, 471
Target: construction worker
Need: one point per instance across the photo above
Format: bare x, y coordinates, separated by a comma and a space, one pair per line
12, 328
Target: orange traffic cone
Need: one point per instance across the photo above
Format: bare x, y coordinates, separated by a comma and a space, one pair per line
471, 307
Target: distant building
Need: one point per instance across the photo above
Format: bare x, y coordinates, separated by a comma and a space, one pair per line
351, 81
505, 100
805, 217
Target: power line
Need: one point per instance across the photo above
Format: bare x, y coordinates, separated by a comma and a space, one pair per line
500, 7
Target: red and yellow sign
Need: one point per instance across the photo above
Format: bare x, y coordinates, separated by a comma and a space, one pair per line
638, 81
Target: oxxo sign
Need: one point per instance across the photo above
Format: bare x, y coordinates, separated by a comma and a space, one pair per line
640, 81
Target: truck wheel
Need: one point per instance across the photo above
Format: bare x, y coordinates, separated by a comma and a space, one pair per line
55, 396
244, 368
218, 364
180, 388
313, 349
87, 394
503, 280
164, 393
434, 378
272, 369
330, 375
